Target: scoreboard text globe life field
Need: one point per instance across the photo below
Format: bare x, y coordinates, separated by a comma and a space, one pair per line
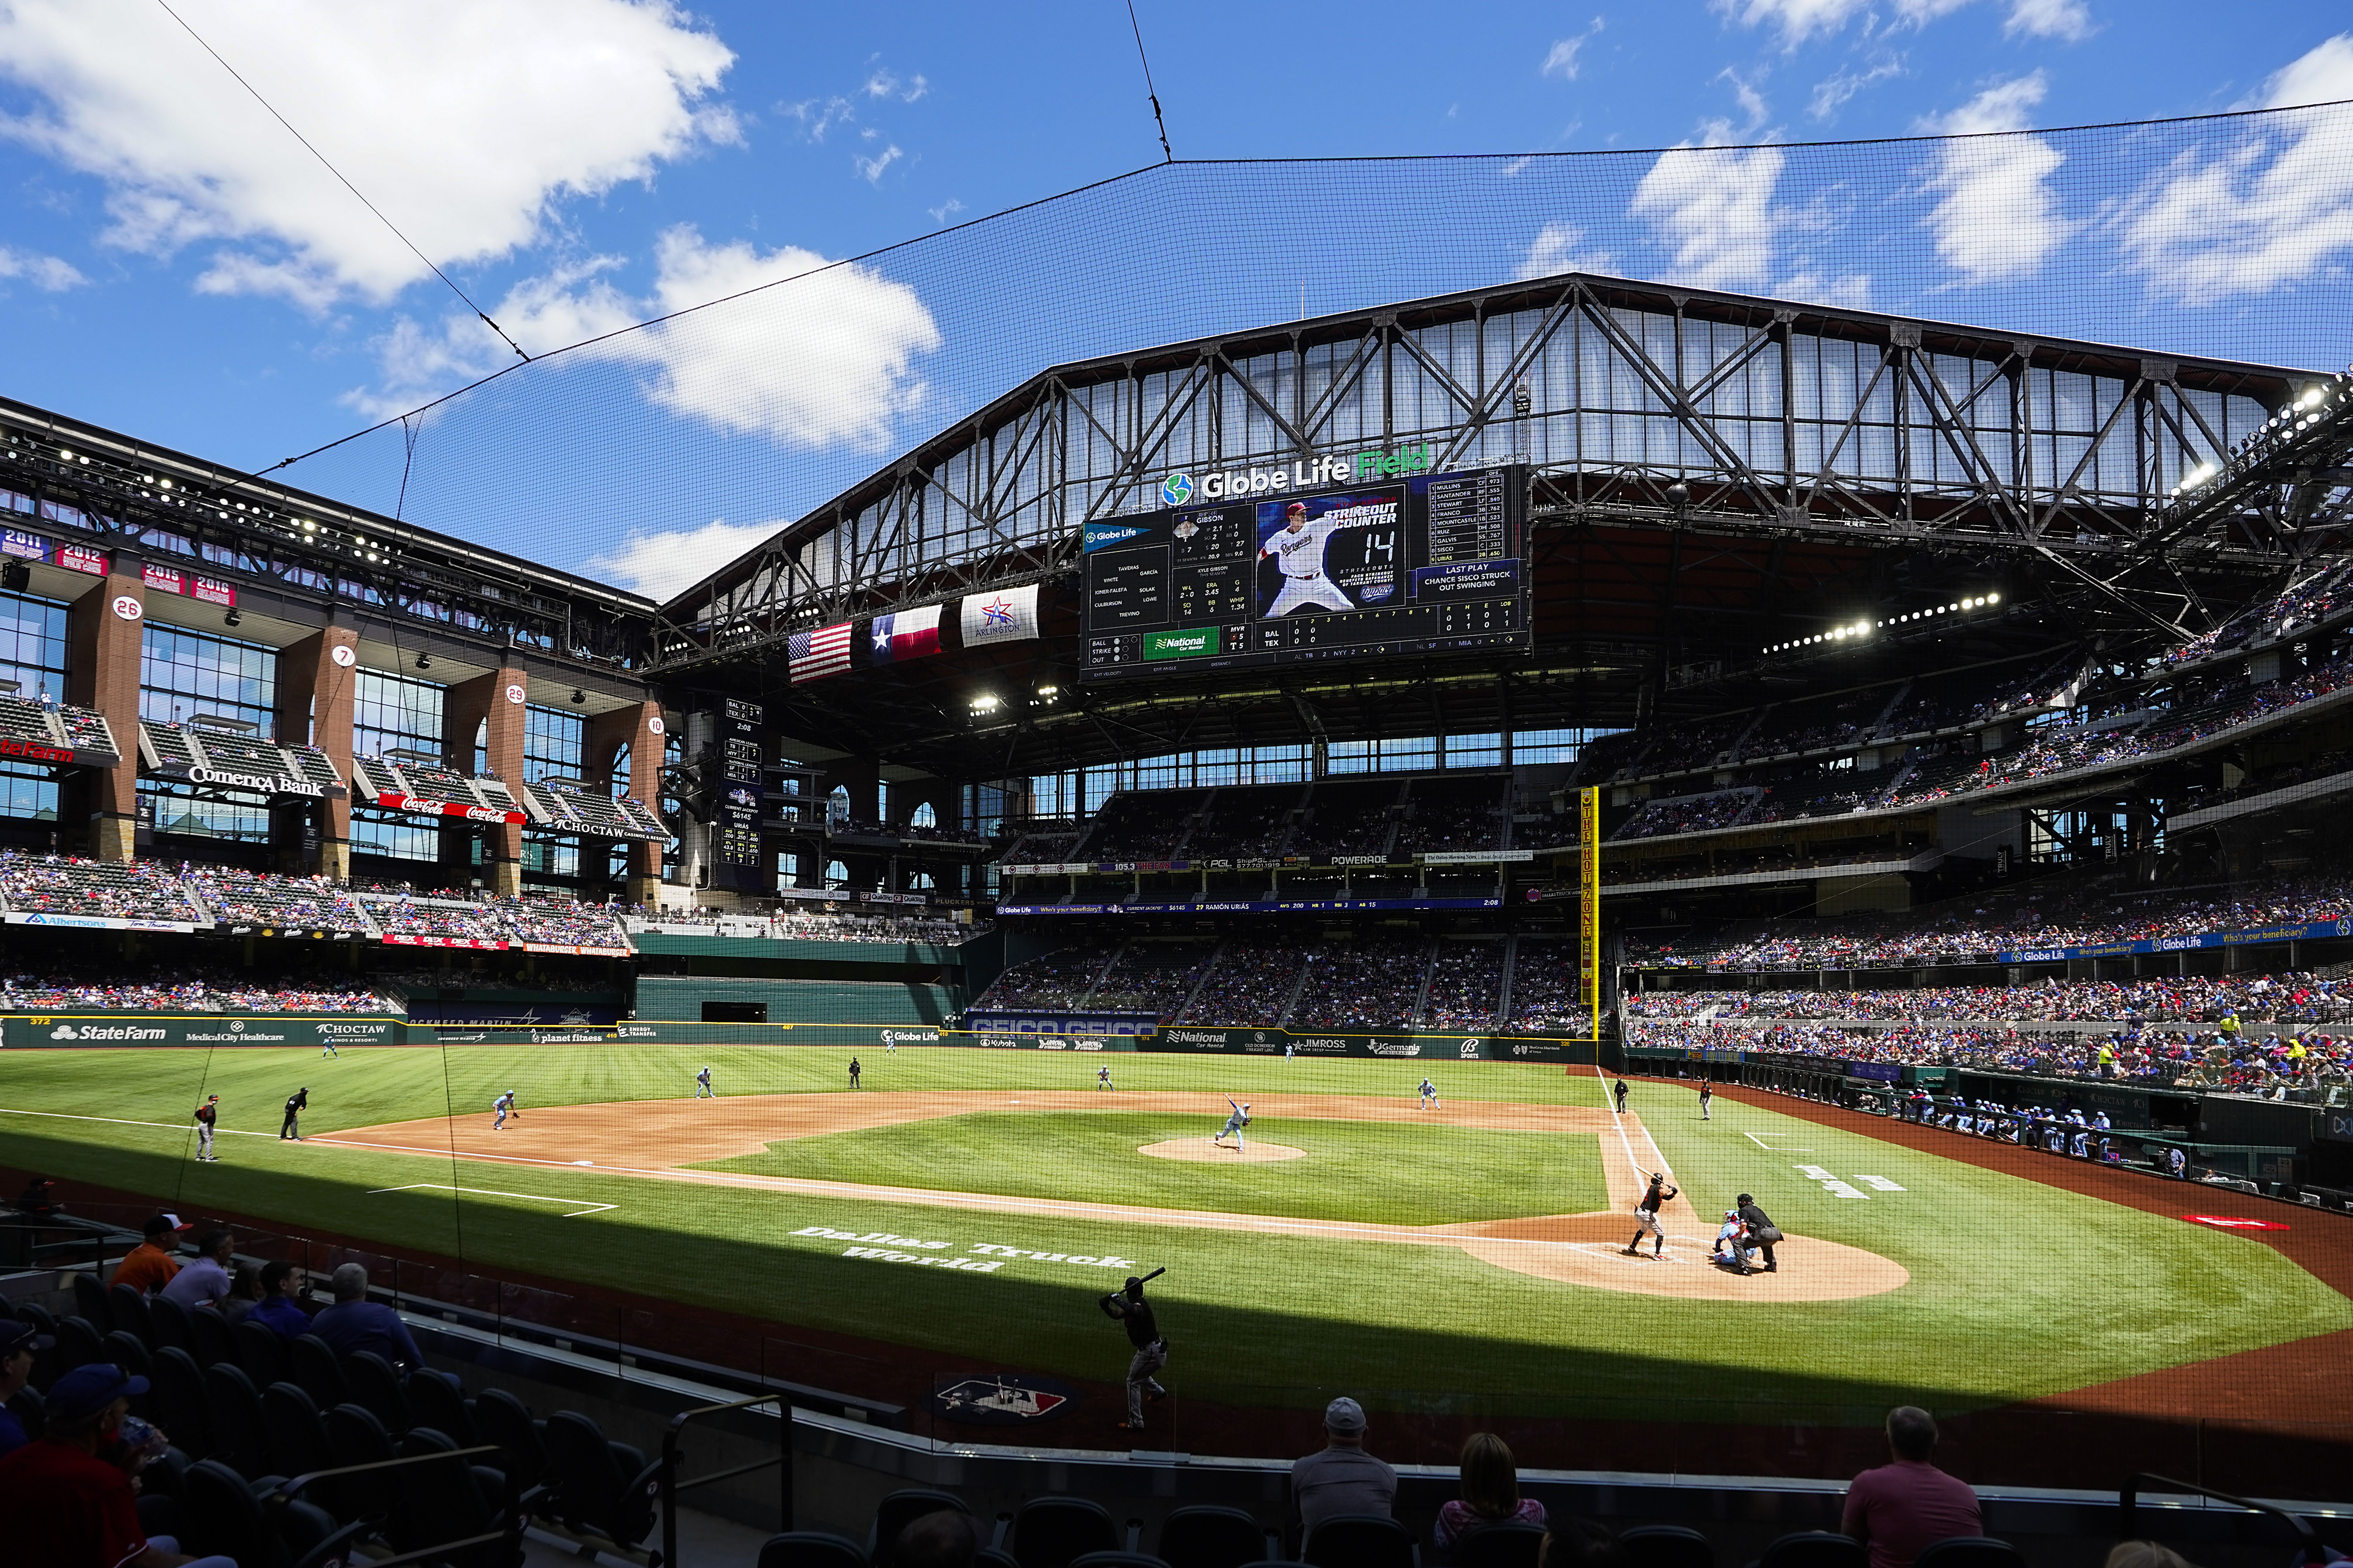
964, 1208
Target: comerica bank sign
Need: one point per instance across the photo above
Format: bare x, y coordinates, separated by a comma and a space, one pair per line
1331, 468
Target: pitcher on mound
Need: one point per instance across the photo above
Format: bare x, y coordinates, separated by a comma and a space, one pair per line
1234, 1123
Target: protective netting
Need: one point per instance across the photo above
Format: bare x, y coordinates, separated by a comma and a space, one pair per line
2223, 235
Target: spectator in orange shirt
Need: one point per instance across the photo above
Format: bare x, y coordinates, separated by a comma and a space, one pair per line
151, 1264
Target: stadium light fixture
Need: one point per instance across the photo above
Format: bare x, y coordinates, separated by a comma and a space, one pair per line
986, 703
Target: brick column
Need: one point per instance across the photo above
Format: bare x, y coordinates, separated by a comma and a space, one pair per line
639, 726
495, 702
104, 674
317, 679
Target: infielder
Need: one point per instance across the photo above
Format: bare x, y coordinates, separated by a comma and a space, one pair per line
207, 1116
1428, 1097
1102, 1076
506, 1107
703, 1085
1134, 1314
1646, 1217
1234, 1123
1298, 550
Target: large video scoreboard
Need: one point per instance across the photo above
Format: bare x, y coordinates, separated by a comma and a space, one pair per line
1422, 563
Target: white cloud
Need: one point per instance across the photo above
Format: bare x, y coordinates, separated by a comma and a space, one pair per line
1751, 101
1559, 248
870, 169
820, 115
464, 121
883, 84
824, 358
51, 274
1713, 207
1850, 288
1831, 93
2273, 209
661, 564
1561, 60
2069, 21
1997, 218
946, 210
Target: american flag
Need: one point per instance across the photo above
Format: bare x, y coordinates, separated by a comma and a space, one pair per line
820, 653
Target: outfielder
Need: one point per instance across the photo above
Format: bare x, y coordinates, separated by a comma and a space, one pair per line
1646, 1217
1298, 550
1134, 1314
506, 1107
207, 1116
327, 1048
703, 1085
1428, 1097
1234, 1123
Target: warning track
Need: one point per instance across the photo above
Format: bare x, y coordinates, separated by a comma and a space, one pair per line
660, 1139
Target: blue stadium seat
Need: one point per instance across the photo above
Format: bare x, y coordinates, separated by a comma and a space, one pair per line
1666, 1546
1360, 1541
809, 1549
1206, 1536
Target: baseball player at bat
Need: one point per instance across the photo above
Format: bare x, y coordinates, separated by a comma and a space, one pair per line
1134, 1314
1646, 1217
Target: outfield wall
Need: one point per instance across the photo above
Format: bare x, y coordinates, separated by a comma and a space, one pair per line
24, 1031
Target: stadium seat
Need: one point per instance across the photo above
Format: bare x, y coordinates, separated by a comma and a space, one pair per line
36, 1314
91, 1302
1050, 1532
501, 1418
130, 1314
167, 1324
1207, 1536
1117, 1560
355, 1436
79, 1345
240, 1437
129, 1351
1360, 1541
313, 1365
900, 1510
31, 1412
809, 1549
437, 1400
263, 1352
210, 1339
1665, 1546
1969, 1551
292, 1429
177, 1399
451, 1501
1503, 1545
1814, 1549
221, 1515
375, 1384
598, 1485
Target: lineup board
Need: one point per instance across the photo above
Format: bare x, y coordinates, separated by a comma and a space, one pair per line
1423, 563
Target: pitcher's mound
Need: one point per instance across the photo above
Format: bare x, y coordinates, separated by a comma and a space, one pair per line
1203, 1152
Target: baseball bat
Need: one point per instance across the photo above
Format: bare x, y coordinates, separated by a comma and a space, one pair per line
1155, 1274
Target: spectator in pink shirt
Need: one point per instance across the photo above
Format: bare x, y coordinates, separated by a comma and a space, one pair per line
1903, 1505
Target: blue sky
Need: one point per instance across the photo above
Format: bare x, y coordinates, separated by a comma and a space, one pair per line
175, 264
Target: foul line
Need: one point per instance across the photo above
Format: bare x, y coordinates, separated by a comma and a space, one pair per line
125, 1121
490, 1193
1769, 1149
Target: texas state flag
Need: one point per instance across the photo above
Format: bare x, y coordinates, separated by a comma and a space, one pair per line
910, 634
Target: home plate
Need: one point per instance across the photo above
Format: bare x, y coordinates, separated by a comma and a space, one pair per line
1201, 1151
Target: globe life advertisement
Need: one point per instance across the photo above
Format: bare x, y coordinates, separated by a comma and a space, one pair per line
1223, 484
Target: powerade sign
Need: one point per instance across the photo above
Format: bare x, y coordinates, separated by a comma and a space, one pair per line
1181, 489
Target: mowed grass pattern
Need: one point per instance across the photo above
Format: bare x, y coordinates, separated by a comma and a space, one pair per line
2018, 1289
1381, 1173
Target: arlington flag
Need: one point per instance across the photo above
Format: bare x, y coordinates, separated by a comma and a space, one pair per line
1006, 615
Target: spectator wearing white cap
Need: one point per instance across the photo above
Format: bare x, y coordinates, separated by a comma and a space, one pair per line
1340, 1477
149, 1266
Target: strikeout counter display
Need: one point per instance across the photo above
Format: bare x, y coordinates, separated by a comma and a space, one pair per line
1283, 565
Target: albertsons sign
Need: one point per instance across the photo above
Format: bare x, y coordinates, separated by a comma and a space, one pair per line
1224, 484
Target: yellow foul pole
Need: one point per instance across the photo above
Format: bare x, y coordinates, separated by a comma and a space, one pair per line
1589, 903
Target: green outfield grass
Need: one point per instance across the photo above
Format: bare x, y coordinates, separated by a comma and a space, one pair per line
1384, 1173
2017, 1288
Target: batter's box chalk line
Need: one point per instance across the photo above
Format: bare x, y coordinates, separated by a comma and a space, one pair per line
1770, 1150
584, 1206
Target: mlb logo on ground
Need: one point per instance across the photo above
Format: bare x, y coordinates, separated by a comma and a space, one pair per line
1003, 1399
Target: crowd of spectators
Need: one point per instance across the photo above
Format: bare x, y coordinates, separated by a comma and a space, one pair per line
103, 890
2296, 999
1688, 813
1545, 995
2092, 915
1150, 977
1249, 984
179, 991
286, 903
1362, 985
561, 921
1466, 986
2310, 601
1058, 979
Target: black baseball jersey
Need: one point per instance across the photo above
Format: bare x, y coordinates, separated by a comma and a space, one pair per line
1142, 1332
